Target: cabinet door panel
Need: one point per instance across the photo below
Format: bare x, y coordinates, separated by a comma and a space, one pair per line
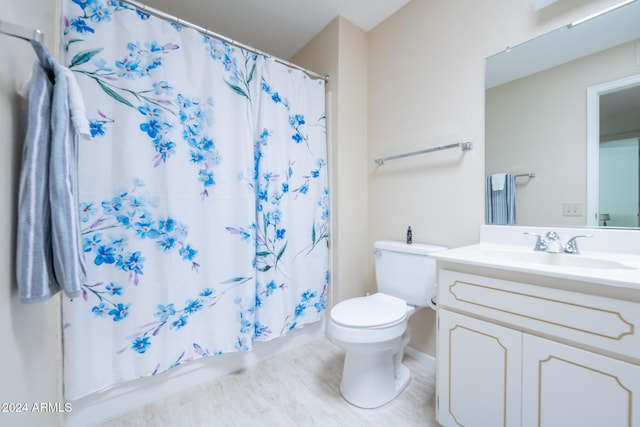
478, 372
607, 324
564, 386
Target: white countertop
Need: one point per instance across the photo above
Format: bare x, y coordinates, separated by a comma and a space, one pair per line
611, 257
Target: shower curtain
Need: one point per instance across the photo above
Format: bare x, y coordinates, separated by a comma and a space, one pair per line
203, 197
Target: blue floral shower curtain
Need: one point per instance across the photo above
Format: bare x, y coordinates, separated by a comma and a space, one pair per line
292, 201
203, 197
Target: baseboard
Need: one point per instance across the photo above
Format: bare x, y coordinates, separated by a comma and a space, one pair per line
423, 358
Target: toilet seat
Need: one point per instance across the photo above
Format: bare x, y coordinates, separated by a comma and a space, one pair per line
371, 312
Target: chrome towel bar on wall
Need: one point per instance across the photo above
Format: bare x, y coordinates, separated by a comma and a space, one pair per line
465, 146
21, 32
528, 175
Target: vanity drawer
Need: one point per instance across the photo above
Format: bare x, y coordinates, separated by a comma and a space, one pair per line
600, 323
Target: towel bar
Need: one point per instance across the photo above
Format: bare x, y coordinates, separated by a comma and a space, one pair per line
20, 32
465, 146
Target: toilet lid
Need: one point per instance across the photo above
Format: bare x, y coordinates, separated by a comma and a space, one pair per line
370, 311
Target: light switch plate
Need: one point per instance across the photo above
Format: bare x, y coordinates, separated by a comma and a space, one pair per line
572, 209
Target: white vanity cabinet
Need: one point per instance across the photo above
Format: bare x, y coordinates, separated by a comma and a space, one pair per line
512, 353
566, 386
479, 368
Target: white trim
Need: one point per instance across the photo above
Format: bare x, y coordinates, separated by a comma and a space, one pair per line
423, 358
593, 139
593, 148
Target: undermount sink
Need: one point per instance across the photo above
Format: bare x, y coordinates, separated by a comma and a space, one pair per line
555, 259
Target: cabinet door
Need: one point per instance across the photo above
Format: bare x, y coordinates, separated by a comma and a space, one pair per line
479, 367
564, 386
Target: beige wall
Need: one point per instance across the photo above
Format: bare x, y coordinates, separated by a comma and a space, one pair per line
415, 81
547, 134
30, 364
425, 87
340, 50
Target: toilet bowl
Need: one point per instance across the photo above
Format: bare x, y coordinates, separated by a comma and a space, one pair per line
373, 330
373, 372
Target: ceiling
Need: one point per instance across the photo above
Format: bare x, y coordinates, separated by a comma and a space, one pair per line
565, 44
278, 27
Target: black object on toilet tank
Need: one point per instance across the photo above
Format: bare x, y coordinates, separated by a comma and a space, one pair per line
409, 236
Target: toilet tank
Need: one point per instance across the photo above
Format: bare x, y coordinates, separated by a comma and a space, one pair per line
406, 270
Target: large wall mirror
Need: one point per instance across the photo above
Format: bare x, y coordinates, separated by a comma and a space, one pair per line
566, 107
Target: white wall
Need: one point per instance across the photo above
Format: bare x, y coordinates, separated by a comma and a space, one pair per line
30, 365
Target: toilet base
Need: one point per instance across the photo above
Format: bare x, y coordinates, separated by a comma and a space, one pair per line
373, 374
371, 380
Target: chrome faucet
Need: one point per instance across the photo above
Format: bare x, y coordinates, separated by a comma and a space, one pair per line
541, 243
572, 245
551, 243
554, 245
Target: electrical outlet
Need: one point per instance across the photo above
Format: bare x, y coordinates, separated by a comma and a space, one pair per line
572, 209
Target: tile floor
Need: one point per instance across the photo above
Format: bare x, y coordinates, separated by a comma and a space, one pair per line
298, 388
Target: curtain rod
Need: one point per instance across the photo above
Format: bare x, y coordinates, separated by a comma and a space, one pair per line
166, 16
20, 32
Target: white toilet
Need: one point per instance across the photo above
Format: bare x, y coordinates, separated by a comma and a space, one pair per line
373, 330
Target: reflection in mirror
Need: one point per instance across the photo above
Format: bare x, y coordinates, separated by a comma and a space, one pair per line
613, 187
536, 120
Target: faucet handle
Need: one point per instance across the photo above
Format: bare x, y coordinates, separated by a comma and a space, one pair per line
572, 245
541, 243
